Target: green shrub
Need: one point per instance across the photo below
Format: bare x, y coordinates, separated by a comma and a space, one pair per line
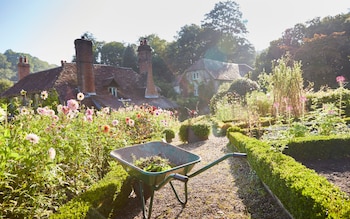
101, 201
169, 134
319, 147
199, 127
302, 191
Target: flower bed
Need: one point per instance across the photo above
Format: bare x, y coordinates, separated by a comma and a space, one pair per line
50, 155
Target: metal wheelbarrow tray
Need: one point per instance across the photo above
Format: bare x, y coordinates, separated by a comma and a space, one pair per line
182, 160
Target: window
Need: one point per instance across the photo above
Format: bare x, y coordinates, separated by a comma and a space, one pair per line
113, 91
195, 75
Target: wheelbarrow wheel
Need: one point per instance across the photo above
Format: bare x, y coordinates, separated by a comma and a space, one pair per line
147, 190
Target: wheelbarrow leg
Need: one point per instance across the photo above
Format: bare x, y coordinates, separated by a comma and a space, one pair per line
183, 202
145, 211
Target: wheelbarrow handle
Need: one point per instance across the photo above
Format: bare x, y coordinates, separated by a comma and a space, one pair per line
235, 154
180, 177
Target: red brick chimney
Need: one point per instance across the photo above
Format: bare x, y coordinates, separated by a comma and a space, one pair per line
85, 73
23, 67
145, 66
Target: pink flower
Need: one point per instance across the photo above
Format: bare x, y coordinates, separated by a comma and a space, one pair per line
65, 110
340, 79
115, 122
89, 112
276, 105
41, 111
55, 118
303, 99
89, 118
73, 104
33, 138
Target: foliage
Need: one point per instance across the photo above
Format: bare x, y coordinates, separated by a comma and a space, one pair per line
243, 86
260, 102
230, 45
319, 147
112, 54
200, 128
286, 85
52, 155
101, 200
9, 61
130, 58
302, 191
153, 164
321, 45
169, 134
5, 84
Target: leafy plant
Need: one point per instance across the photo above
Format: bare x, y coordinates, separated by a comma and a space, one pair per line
153, 164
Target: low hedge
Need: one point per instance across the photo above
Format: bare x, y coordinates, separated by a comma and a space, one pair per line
302, 191
101, 201
319, 147
200, 129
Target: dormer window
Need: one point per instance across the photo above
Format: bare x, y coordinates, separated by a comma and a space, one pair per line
113, 91
195, 75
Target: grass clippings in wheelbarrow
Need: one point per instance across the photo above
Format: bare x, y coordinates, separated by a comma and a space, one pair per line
153, 164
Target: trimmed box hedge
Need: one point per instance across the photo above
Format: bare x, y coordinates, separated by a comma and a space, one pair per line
302, 191
319, 147
101, 201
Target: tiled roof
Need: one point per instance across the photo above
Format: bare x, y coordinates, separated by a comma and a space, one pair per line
220, 70
64, 79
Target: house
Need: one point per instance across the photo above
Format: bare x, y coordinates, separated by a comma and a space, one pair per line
102, 85
206, 71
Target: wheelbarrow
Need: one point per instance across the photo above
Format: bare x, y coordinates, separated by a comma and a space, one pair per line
146, 183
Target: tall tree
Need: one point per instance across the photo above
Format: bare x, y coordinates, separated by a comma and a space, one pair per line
187, 48
130, 57
226, 18
112, 53
231, 46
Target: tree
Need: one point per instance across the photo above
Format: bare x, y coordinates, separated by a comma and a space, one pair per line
226, 18
112, 53
231, 45
5, 84
188, 48
130, 58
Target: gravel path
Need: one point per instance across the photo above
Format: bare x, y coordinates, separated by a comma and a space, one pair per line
227, 190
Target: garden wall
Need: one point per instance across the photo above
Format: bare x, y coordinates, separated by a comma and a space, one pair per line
302, 191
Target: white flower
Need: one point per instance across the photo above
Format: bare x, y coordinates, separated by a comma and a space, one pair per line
52, 153
33, 138
2, 115
44, 95
80, 96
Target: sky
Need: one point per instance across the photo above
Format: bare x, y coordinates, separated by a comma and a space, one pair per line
47, 29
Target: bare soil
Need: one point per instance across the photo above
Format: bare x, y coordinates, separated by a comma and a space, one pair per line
336, 171
230, 189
